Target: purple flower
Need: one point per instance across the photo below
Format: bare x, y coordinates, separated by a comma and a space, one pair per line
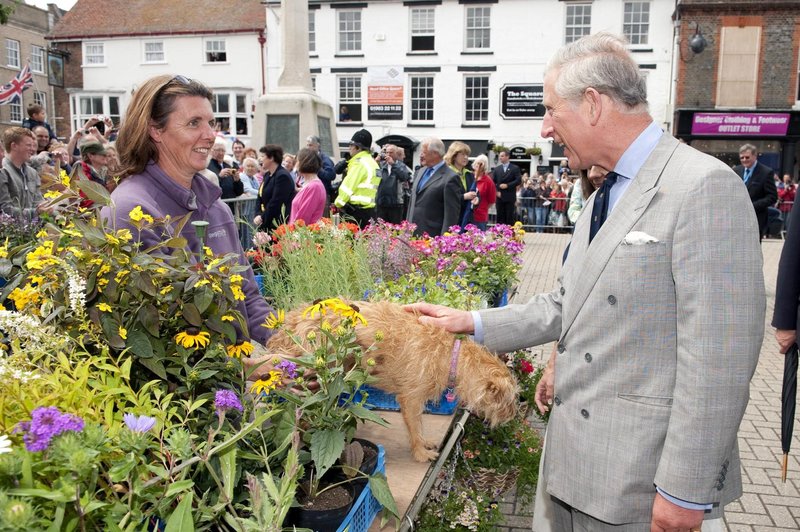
225, 400
288, 368
139, 424
46, 423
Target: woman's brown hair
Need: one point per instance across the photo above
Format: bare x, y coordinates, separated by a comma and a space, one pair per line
308, 161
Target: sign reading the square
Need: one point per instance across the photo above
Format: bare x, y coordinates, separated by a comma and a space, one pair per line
522, 101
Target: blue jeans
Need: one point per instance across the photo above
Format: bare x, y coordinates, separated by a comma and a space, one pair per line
480, 225
541, 218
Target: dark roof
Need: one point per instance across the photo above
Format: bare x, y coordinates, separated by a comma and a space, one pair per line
92, 19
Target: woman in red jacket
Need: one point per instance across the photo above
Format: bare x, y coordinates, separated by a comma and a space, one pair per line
786, 197
487, 192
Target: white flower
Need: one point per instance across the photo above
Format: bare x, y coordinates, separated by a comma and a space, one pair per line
5, 444
77, 291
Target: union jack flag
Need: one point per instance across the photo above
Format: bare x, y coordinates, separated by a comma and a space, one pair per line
12, 91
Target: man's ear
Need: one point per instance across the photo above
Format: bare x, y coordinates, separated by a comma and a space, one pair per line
155, 131
594, 101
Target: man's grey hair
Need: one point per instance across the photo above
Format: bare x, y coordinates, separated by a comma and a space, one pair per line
313, 139
748, 147
435, 145
600, 61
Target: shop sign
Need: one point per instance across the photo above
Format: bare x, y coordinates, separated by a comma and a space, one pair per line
740, 124
385, 93
522, 101
517, 152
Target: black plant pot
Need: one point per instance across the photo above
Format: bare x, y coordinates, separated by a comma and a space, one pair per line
320, 520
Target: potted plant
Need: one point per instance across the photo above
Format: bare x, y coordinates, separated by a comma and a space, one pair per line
535, 151
497, 148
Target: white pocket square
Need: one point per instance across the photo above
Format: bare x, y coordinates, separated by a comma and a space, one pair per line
636, 238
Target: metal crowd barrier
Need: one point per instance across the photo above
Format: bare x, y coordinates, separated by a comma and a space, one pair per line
244, 210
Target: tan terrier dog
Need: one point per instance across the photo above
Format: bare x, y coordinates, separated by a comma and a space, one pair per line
413, 362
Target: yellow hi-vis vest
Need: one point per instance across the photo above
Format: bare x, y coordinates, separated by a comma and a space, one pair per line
360, 184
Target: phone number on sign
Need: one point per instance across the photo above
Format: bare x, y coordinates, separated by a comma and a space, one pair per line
395, 108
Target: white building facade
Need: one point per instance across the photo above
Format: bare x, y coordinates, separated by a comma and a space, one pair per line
464, 69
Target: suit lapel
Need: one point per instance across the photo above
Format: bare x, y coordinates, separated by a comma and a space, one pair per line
586, 262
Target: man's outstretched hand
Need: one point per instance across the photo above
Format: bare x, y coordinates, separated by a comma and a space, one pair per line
449, 319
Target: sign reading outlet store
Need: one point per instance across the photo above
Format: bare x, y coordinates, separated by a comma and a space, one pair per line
522, 101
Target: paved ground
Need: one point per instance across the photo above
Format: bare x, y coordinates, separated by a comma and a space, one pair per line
767, 504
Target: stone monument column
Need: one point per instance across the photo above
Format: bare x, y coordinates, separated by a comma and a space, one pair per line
288, 114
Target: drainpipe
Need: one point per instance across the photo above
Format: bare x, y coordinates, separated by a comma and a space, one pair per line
262, 41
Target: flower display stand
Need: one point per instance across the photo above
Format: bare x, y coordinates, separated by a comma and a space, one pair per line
366, 506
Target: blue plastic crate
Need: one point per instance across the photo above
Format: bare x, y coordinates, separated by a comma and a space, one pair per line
366, 506
260, 283
380, 400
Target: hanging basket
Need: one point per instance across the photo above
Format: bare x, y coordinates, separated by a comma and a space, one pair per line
490, 481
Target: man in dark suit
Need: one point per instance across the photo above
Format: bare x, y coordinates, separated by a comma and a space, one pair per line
760, 184
436, 192
506, 177
787, 289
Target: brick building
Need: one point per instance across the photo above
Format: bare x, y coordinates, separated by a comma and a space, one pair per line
23, 42
743, 86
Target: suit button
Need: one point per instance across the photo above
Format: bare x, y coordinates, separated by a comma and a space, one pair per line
612, 300
561, 348
557, 401
719, 486
585, 413
562, 291
588, 357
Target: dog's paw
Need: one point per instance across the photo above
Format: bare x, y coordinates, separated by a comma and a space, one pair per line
431, 445
424, 455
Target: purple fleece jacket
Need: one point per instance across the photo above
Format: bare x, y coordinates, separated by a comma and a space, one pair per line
159, 195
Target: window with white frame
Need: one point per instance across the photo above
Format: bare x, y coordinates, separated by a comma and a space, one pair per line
40, 98
230, 112
15, 111
85, 106
349, 38
579, 22
476, 98
636, 22
350, 99
215, 51
478, 27
37, 59
312, 30
421, 98
422, 29
12, 54
94, 53
154, 52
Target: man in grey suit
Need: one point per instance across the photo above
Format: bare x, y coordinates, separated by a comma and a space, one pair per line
659, 318
436, 192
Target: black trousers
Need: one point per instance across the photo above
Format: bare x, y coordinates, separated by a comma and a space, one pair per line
505, 212
390, 213
359, 215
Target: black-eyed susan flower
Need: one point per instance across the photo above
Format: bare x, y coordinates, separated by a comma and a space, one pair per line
240, 349
192, 338
275, 320
267, 384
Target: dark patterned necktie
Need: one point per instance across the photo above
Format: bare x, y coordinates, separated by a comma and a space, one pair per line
600, 208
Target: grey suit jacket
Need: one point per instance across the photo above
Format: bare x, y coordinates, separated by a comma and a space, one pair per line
657, 342
437, 206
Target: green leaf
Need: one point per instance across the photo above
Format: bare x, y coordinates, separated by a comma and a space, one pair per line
139, 344
182, 485
120, 470
192, 315
227, 464
149, 318
58, 518
57, 496
144, 282
94, 191
326, 447
203, 298
155, 365
367, 415
181, 518
380, 490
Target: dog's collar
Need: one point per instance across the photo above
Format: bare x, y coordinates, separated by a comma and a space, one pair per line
451, 379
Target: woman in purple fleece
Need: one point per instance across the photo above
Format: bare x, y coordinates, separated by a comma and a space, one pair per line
163, 144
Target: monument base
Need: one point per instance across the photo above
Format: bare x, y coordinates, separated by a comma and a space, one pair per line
287, 117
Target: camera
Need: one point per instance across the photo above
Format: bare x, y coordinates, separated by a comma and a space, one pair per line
382, 157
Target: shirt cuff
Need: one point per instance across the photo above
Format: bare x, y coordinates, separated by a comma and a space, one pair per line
478, 334
684, 504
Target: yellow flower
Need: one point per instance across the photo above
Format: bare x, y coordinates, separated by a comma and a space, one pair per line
237, 293
111, 239
51, 194
41, 234
4, 250
137, 215
101, 283
41, 257
64, 177
104, 307
120, 275
202, 282
227, 317
236, 278
123, 332
237, 350
335, 305
166, 290
207, 251
268, 384
37, 279
24, 297
189, 339
162, 271
275, 320
124, 235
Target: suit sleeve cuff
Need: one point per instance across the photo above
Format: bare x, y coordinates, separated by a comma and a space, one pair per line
684, 504
478, 334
